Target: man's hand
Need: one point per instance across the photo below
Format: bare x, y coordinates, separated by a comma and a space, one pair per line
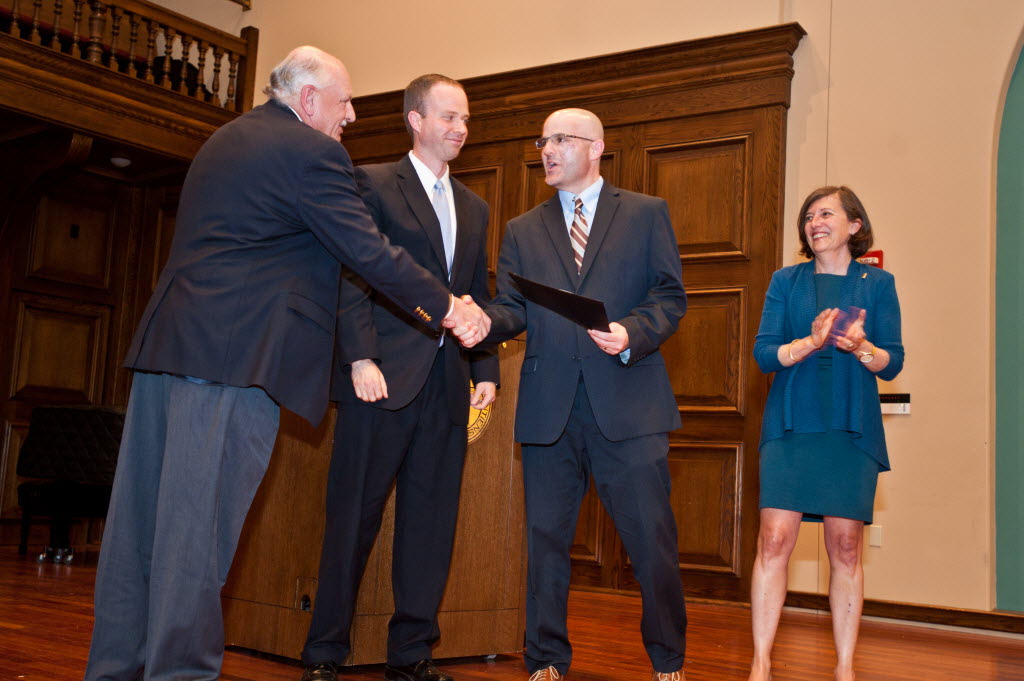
612, 342
368, 381
467, 321
484, 393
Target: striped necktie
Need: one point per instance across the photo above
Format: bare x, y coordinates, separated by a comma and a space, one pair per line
578, 234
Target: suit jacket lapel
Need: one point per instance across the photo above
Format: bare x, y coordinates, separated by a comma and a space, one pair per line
463, 232
554, 220
607, 206
420, 205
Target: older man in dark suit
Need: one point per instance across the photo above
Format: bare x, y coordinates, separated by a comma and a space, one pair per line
404, 398
242, 320
594, 403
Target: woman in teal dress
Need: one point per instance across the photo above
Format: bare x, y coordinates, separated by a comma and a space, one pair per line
829, 327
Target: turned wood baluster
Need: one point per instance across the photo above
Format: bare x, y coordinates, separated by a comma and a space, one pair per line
58, 10
76, 34
133, 41
232, 73
34, 35
116, 14
147, 74
169, 33
186, 50
218, 53
97, 24
200, 93
13, 28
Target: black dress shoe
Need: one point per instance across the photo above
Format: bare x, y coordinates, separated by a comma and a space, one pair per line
424, 670
321, 671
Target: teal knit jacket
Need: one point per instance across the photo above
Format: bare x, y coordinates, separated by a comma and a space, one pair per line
789, 309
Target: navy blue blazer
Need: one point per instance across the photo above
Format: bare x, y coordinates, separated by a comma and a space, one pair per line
269, 212
632, 264
789, 309
373, 327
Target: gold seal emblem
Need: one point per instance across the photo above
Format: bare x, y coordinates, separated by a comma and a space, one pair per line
478, 418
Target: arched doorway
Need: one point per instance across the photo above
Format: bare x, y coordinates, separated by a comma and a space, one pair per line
1009, 346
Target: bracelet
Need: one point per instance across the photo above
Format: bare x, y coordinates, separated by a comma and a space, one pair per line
789, 351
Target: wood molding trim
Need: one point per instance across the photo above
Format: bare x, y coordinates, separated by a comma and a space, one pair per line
60, 89
996, 620
1012, 622
709, 75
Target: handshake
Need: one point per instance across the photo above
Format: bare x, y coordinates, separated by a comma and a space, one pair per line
467, 321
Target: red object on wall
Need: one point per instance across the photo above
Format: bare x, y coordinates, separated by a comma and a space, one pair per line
871, 258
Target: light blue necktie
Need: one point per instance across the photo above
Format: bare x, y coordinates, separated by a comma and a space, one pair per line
440, 202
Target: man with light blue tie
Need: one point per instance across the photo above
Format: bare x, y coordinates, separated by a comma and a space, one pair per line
404, 398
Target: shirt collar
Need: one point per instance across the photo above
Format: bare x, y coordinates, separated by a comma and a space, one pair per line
294, 112
428, 178
589, 197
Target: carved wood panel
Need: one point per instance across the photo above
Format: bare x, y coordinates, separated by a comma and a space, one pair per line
486, 182
72, 241
61, 350
705, 496
704, 182
705, 358
591, 527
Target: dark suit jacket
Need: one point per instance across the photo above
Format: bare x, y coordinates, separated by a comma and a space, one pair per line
268, 213
371, 326
632, 264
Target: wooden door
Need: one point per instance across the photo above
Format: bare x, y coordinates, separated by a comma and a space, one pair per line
719, 174
61, 301
713, 172
76, 237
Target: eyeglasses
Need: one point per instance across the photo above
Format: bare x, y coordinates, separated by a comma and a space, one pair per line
558, 139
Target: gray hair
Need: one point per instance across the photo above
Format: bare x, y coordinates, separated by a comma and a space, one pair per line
303, 66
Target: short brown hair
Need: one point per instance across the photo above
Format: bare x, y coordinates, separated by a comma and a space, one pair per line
860, 242
416, 94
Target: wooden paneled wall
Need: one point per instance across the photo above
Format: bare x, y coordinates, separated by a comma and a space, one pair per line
80, 251
701, 124
82, 240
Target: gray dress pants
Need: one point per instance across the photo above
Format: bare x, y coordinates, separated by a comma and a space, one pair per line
192, 456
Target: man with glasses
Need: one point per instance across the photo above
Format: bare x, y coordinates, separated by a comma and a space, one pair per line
595, 403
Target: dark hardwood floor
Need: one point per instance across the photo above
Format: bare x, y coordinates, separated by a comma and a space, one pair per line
46, 620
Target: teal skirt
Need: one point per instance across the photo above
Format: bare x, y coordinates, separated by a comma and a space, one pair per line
818, 474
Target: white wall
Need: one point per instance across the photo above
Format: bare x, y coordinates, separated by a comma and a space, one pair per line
901, 101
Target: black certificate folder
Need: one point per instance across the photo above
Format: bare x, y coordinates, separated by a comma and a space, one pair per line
587, 312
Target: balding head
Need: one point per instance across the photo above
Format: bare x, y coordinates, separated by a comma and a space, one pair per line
572, 152
306, 65
583, 122
316, 86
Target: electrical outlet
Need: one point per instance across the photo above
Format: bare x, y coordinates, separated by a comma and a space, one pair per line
874, 535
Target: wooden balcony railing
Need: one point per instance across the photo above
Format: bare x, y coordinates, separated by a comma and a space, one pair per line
142, 41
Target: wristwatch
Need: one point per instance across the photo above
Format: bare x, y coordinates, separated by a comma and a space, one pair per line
867, 356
